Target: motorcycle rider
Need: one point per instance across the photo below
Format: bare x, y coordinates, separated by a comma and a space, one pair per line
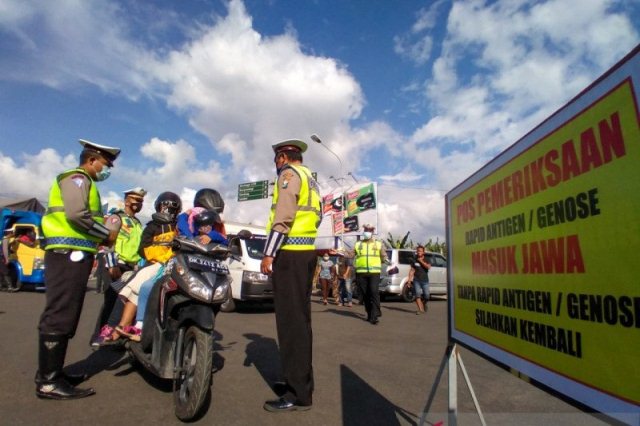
162, 228
207, 199
203, 225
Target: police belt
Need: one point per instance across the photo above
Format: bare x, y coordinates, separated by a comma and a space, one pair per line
298, 241
69, 241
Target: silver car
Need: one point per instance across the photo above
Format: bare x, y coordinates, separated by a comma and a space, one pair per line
395, 283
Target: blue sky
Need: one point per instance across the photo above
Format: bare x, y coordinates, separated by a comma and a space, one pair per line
414, 95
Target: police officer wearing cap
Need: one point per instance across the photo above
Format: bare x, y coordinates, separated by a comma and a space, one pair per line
123, 257
73, 228
290, 257
369, 257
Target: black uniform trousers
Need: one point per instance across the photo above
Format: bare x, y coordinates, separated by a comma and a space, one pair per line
66, 283
369, 286
292, 279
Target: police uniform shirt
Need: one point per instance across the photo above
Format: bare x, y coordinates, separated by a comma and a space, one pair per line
114, 223
74, 190
383, 253
289, 184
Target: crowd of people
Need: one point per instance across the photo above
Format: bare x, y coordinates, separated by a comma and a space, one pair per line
136, 256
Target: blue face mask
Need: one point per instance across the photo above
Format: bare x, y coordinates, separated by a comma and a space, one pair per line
103, 174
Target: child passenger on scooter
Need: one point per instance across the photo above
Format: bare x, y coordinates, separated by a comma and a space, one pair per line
153, 248
205, 199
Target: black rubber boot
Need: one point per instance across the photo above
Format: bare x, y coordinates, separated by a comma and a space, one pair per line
50, 379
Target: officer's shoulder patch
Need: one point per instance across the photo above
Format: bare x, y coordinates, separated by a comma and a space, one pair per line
287, 175
78, 180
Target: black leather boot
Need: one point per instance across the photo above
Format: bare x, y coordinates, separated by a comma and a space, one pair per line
50, 379
75, 379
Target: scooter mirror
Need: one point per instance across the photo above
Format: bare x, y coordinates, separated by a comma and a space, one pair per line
245, 234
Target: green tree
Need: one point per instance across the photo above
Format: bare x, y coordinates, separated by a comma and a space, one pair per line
436, 246
399, 243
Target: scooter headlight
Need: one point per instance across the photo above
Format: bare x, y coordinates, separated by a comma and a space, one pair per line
221, 291
198, 289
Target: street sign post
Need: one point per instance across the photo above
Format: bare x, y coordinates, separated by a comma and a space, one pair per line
253, 190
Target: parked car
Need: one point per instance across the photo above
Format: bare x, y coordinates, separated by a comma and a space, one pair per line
248, 283
395, 283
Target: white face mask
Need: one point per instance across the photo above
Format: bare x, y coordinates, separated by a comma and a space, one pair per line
367, 235
326, 258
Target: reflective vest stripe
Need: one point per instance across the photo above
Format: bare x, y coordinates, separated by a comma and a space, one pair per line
61, 209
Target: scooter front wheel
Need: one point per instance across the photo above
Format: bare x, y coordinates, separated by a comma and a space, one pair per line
191, 385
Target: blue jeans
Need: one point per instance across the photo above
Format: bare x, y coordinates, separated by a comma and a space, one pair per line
421, 288
143, 295
345, 290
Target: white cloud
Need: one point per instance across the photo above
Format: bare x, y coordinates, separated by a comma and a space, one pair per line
34, 174
76, 42
263, 89
414, 44
504, 67
405, 176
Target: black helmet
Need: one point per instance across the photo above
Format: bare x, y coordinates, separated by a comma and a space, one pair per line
207, 217
168, 202
209, 199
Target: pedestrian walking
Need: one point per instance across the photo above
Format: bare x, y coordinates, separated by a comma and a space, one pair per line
344, 276
73, 228
419, 277
290, 257
326, 276
369, 257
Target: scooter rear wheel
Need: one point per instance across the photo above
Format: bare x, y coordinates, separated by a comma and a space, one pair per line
193, 381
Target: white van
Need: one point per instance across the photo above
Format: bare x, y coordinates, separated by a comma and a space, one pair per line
248, 282
402, 258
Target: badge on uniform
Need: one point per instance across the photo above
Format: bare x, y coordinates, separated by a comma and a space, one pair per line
285, 183
76, 255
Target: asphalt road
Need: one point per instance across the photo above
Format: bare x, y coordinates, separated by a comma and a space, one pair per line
364, 374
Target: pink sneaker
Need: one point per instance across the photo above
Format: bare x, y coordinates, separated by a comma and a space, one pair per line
104, 337
131, 331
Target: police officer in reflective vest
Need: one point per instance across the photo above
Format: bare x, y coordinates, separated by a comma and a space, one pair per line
123, 257
290, 257
73, 228
369, 257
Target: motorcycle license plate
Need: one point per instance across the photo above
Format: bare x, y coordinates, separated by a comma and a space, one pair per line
206, 264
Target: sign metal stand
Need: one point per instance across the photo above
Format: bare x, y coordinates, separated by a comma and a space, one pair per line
451, 359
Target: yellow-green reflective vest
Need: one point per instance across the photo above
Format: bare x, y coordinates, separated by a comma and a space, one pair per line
58, 231
304, 229
368, 257
128, 240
